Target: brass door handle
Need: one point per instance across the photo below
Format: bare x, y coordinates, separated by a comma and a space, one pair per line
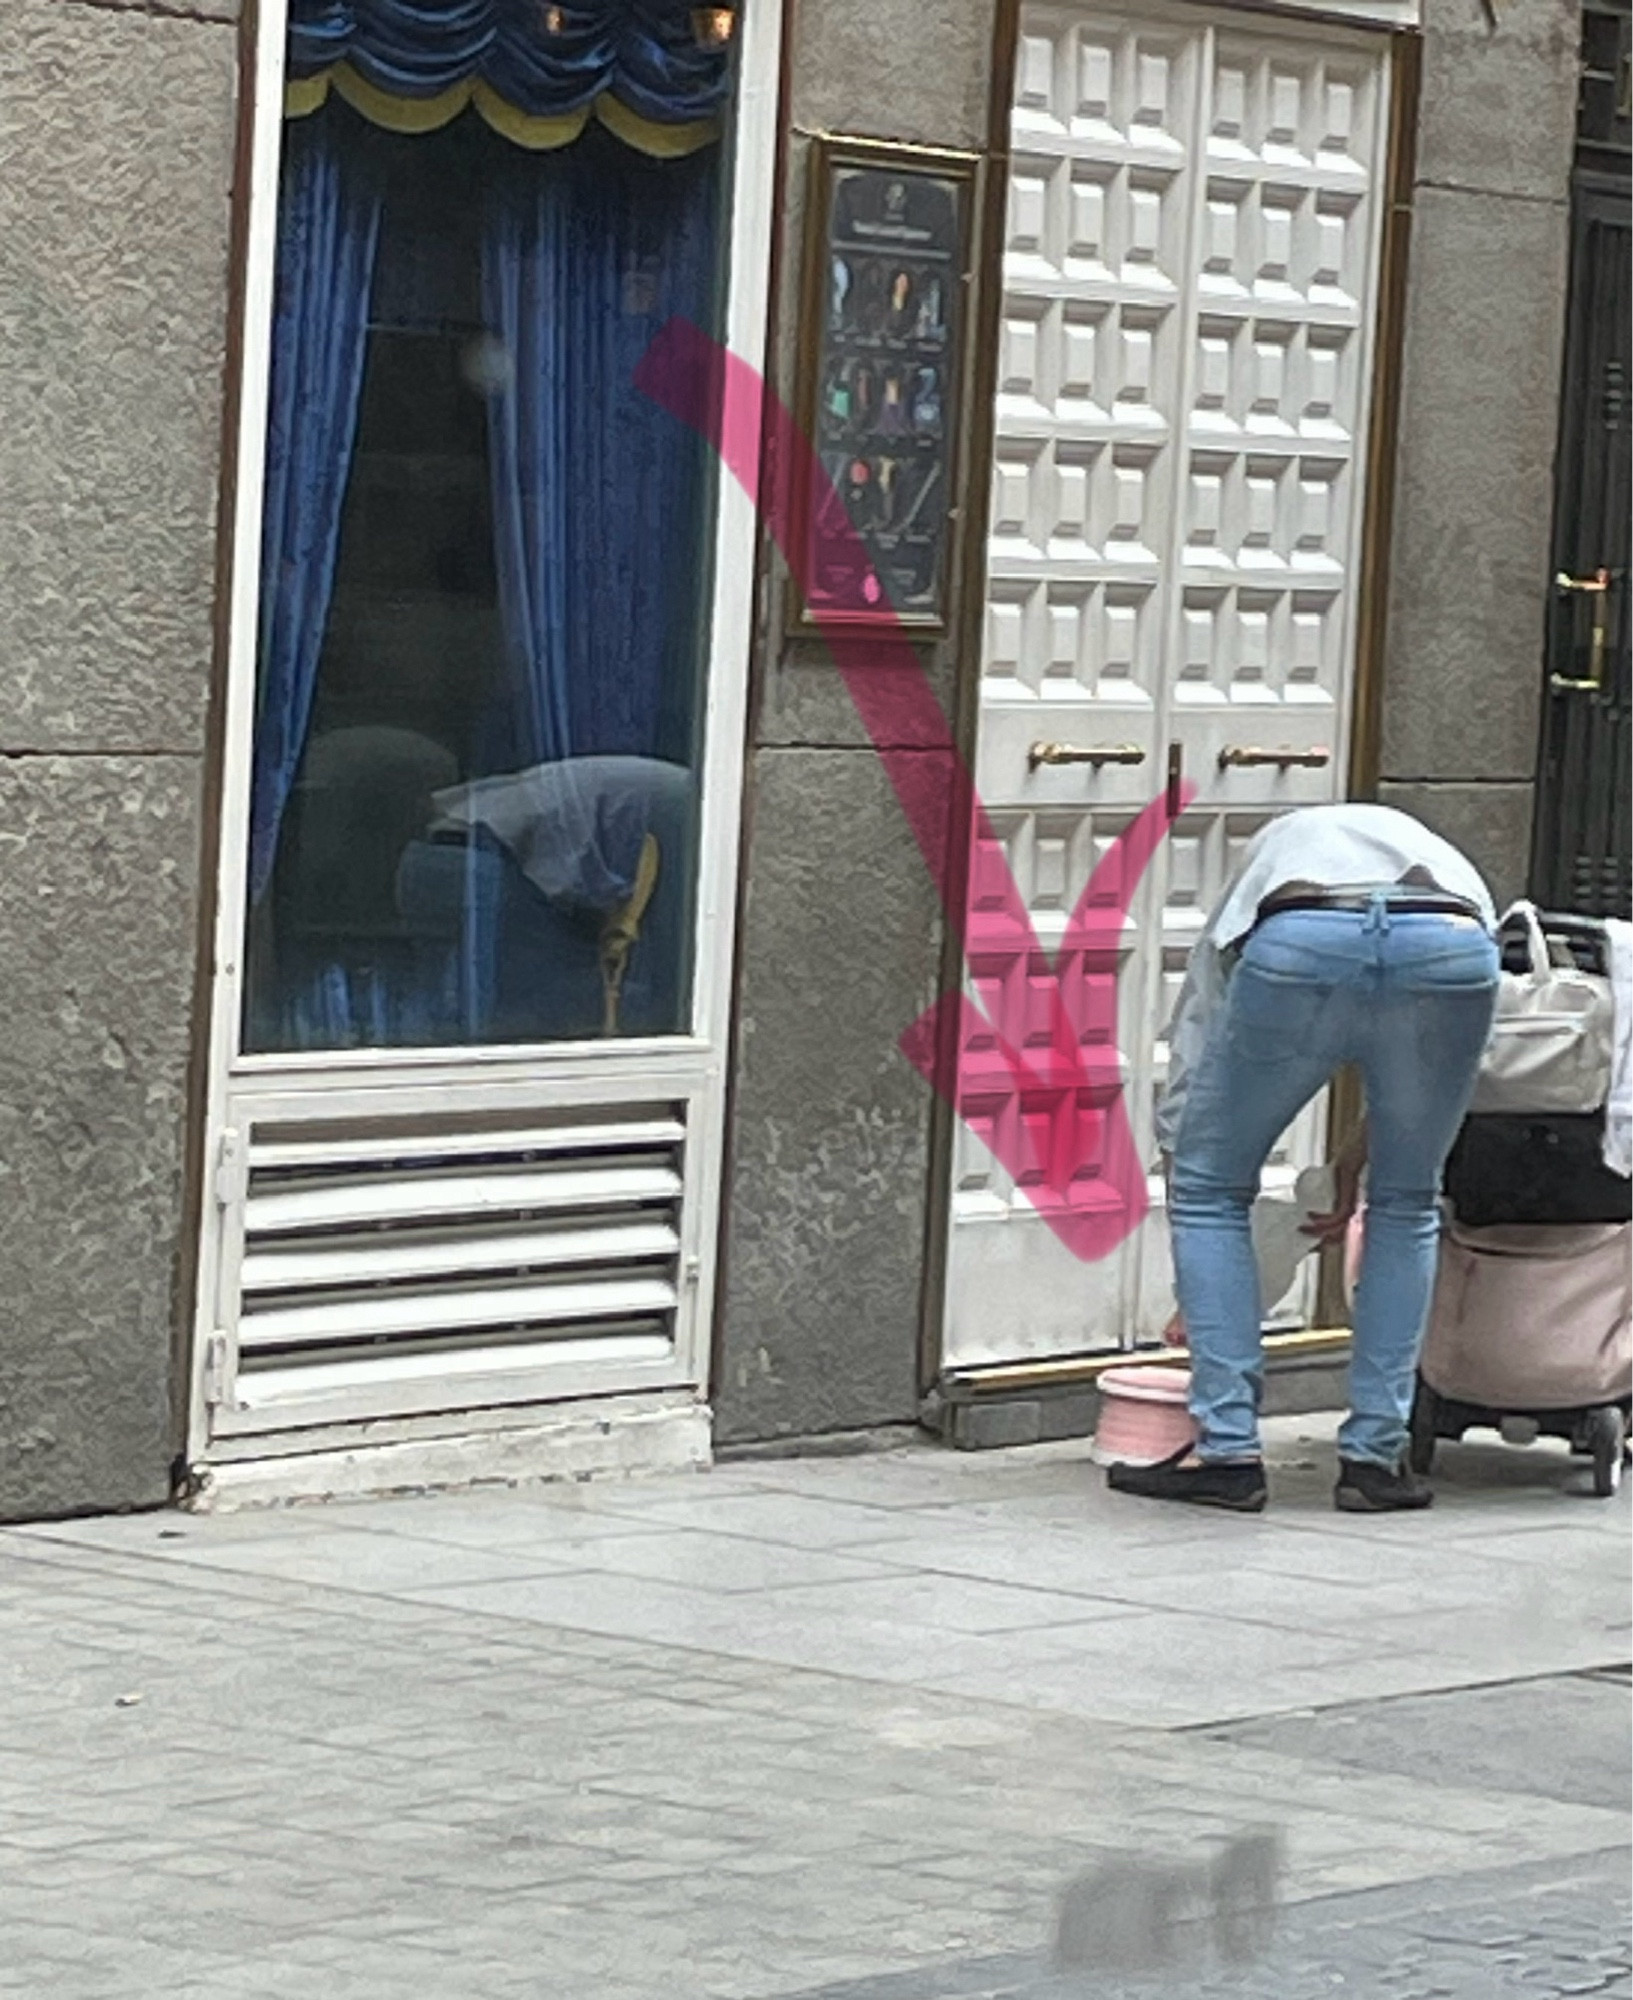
1597, 587
1091, 753
1241, 757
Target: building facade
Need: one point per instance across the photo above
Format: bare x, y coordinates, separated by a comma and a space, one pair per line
478, 942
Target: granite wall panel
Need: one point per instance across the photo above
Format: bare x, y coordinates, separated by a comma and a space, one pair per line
116, 128
1469, 579
1499, 96
1474, 487
825, 1241
829, 1147
116, 134
98, 868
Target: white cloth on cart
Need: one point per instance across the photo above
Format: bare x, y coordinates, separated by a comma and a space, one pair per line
1277, 1222
1619, 1104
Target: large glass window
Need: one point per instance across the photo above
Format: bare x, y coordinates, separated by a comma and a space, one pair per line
484, 577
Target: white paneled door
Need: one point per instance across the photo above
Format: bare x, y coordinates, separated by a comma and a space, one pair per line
1189, 288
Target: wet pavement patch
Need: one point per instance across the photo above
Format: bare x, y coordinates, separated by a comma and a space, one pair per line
1545, 1932
1562, 1736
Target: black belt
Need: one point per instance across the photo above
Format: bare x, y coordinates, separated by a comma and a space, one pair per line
1362, 900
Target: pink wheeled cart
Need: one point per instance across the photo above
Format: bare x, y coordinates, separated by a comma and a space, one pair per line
1531, 1333
1531, 1327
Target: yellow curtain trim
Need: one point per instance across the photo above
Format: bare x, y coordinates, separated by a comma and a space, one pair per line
646, 135
305, 94
412, 115
538, 135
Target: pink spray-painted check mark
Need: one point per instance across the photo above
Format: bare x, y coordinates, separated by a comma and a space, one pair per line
1045, 1032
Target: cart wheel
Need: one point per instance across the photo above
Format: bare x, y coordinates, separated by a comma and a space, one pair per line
1607, 1439
1420, 1448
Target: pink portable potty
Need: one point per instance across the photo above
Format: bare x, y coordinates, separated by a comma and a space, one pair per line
1143, 1417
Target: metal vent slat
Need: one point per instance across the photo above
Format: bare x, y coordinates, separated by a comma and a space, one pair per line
346, 1202
497, 1306
462, 1145
271, 1386
441, 1253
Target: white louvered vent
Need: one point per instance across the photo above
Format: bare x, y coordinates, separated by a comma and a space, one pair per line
414, 1243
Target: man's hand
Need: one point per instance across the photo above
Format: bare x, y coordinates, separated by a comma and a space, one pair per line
1347, 1168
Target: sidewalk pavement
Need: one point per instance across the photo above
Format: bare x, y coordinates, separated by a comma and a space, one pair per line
839, 1725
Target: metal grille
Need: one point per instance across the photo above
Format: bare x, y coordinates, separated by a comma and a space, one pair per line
414, 1242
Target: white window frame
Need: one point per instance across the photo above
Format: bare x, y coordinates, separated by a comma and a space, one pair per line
689, 1065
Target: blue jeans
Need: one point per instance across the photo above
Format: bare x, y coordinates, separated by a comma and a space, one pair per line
1409, 999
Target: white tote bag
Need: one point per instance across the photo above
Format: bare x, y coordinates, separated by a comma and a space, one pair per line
1551, 1041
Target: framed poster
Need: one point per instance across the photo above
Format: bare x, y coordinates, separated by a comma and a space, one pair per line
881, 389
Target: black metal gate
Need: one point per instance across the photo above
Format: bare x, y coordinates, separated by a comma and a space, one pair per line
1582, 851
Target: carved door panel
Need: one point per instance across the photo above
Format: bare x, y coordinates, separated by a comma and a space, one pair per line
1188, 293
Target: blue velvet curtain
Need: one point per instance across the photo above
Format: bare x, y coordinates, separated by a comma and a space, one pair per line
600, 506
328, 229
643, 51
599, 497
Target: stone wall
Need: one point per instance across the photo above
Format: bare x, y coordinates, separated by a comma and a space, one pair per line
826, 1207
1462, 689
115, 164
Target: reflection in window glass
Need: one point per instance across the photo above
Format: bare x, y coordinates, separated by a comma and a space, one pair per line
484, 592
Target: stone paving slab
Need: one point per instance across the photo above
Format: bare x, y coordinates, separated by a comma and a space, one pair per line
1010, 1577
783, 1726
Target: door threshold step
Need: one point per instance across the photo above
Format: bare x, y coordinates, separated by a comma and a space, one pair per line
1047, 1401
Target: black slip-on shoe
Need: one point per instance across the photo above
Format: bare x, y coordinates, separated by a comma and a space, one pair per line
1367, 1488
1237, 1485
